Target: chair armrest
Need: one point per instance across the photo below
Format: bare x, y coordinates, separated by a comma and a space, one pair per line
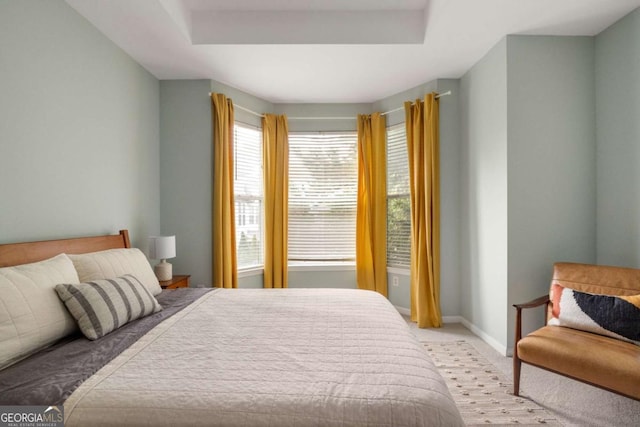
533, 303
543, 300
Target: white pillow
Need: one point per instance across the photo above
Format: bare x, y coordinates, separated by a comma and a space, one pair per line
114, 263
31, 314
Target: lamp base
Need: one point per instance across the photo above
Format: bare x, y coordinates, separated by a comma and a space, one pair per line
163, 270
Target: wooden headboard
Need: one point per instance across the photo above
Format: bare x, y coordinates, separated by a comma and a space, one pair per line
23, 253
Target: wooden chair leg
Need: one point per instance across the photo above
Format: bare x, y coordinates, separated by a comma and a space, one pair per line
516, 375
516, 359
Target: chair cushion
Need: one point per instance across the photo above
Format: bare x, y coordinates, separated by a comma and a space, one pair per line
610, 363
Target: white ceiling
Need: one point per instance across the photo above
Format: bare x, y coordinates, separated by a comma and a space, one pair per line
315, 51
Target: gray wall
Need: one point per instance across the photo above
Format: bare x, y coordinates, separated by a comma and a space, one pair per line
186, 158
551, 162
323, 112
79, 142
618, 139
529, 186
484, 208
450, 200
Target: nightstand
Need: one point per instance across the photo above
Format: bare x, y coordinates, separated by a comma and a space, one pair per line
176, 282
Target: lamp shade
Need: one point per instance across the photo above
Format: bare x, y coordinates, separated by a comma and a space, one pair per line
162, 247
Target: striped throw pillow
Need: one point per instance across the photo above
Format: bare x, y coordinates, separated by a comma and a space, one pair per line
102, 306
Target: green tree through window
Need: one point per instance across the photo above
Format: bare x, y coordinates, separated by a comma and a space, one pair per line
398, 199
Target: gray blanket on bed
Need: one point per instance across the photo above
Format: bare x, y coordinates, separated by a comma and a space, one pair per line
50, 376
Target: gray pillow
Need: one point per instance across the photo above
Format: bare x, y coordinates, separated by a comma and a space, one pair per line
102, 306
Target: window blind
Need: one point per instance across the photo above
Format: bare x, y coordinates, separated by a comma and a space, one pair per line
323, 186
398, 199
248, 192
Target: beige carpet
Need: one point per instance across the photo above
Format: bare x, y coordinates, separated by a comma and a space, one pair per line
480, 390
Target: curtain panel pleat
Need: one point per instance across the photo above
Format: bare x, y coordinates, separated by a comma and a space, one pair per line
225, 268
424, 180
275, 149
371, 216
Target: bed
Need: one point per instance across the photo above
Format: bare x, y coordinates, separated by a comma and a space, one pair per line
230, 357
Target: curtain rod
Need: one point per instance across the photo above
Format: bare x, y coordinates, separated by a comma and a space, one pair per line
329, 118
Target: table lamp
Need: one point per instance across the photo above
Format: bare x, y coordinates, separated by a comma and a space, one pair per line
162, 247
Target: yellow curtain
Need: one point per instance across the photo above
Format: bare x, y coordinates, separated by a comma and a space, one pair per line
275, 155
371, 218
424, 181
225, 268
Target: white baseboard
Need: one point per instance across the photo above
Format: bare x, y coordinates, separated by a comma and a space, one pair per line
451, 319
485, 337
445, 319
473, 328
404, 311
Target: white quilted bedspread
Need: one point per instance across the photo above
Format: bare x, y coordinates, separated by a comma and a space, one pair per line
281, 357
